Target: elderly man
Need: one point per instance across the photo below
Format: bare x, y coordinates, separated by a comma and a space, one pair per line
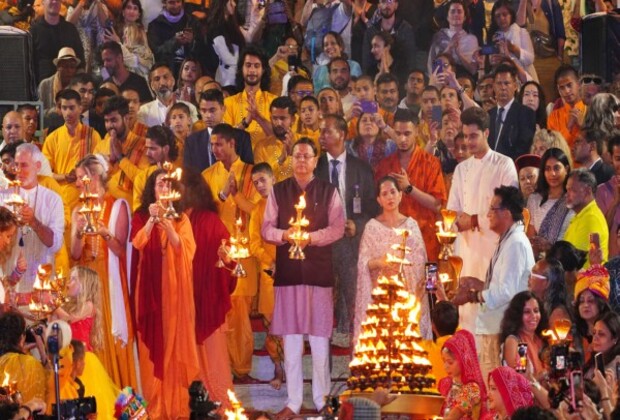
303, 299
13, 129
43, 218
507, 274
66, 66
580, 190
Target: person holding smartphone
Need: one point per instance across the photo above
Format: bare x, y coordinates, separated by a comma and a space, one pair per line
605, 347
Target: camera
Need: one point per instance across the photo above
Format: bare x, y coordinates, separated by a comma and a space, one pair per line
199, 404
78, 409
567, 384
34, 331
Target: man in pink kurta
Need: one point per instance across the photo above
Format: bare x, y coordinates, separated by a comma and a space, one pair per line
303, 288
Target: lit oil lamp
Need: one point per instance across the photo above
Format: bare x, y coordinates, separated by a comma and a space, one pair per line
237, 251
299, 235
237, 413
9, 392
15, 200
90, 207
47, 293
449, 265
166, 200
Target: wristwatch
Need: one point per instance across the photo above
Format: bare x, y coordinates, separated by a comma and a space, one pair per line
409, 189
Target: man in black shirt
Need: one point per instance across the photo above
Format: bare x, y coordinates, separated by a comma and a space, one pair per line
112, 59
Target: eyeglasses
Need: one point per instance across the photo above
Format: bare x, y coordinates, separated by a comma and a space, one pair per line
587, 80
498, 208
303, 93
302, 157
538, 276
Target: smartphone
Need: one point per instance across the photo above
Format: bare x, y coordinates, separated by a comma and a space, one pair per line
489, 49
109, 24
617, 370
369, 107
599, 363
576, 389
431, 270
436, 114
595, 240
438, 66
522, 362
292, 63
559, 356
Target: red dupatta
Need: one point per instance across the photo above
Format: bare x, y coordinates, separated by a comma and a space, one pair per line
462, 345
146, 268
212, 285
513, 387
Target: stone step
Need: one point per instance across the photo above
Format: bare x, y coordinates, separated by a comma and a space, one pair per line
262, 367
262, 397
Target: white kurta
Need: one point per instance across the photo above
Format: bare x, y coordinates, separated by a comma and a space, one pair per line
472, 190
49, 210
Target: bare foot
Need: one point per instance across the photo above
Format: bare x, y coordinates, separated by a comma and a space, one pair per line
278, 377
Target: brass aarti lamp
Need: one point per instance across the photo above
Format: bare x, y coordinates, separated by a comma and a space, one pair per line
299, 235
90, 207
166, 201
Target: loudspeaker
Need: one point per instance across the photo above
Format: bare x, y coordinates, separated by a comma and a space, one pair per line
17, 82
600, 44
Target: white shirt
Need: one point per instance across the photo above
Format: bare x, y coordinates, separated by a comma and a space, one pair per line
472, 190
154, 113
510, 275
49, 210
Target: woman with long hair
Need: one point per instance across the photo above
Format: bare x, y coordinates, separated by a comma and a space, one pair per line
532, 96
164, 301
463, 388
130, 33
106, 253
508, 391
510, 39
548, 284
83, 313
524, 321
455, 40
333, 47
605, 340
12, 265
381, 46
376, 242
228, 37
550, 216
591, 302
370, 144
212, 297
191, 70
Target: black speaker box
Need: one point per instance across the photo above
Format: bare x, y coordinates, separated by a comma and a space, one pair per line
17, 81
600, 44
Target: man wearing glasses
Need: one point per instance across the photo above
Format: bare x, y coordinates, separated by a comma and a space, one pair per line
472, 188
304, 288
506, 275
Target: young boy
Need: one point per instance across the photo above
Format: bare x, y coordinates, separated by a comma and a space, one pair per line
445, 321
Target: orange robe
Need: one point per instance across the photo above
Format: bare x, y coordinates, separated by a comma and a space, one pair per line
424, 172
168, 368
117, 358
558, 121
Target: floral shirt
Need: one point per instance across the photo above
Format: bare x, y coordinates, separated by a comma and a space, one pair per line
466, 398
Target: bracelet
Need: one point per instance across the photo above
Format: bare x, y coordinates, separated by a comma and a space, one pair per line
222, 196
604, 399
107, 237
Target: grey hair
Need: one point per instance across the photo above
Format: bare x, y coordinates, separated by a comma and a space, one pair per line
600, 113
33, 150
585, 176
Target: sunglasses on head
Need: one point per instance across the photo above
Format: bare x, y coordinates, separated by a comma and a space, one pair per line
591, 79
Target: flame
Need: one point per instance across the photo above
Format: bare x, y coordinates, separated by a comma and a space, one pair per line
7, 380
85, 179
238, 412
444, 278
302, 202
562, 328
37, 283
32, 306
550, 333
449, 216
443, 232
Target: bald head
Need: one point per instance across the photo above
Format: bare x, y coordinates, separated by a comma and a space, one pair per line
12, 127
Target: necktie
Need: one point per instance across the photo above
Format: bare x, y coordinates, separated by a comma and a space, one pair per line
498, 126
335, 172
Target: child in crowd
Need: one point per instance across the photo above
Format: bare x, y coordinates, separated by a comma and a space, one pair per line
445, 321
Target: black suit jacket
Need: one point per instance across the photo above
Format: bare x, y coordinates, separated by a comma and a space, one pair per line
602, 171
197, 152
358, 173
517, 131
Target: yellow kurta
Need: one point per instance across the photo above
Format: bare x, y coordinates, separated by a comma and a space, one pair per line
312, 135
123, 173
236, 110
240, 339
64, 151
269, 150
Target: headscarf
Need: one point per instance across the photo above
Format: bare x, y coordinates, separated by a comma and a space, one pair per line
513, 387
595, 279
462, 345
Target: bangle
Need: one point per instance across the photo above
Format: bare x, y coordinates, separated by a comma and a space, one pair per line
604, 399
222, 196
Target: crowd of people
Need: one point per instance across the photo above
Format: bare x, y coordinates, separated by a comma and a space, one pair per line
379, 114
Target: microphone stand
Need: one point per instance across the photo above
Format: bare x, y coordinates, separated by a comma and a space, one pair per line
53, 347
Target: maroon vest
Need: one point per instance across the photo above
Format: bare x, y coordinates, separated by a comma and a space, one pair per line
316, 269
